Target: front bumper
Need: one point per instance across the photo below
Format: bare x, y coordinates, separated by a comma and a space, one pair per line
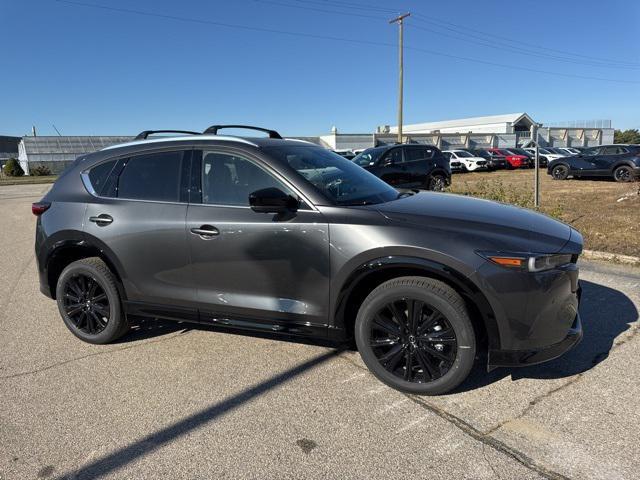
522, 358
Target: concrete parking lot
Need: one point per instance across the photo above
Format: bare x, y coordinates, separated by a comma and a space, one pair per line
179, 401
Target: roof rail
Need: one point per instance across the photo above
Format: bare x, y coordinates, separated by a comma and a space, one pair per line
143, 135
213, 130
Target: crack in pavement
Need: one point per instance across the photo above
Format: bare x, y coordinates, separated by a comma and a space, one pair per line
484, 438
106, 352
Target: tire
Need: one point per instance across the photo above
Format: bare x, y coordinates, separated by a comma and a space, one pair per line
441, 349
560, 172
623, 174
436, 182
89, 301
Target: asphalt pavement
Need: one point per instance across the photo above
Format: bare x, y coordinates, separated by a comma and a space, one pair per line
179, 401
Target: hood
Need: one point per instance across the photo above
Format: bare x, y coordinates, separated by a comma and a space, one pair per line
495, 225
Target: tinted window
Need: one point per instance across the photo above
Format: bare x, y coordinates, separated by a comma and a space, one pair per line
412, 154
368, 157
393, 156
339, 179
99, 174
155, 176
590, 151
228, 179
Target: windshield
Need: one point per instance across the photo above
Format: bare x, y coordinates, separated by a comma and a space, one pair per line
462, 153
368, 157
338, 178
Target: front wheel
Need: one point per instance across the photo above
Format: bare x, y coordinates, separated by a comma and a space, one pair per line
437, 182
560, 172
89, 302
414, 334
623, 174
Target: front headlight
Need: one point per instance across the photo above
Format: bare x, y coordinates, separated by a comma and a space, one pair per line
526, 262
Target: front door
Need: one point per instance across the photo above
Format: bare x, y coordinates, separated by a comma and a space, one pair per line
255, 270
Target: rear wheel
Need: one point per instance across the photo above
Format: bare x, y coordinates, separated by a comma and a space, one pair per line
89, 302
623, 174
415, 335
560, 172
436, 182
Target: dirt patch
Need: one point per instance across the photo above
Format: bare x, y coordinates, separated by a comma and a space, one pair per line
605, 212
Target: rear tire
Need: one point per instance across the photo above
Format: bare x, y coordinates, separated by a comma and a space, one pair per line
89, 301
437, 183
415, 335
623, 174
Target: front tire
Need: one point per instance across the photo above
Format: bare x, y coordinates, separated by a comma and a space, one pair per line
89, 301
415, 335
560, 172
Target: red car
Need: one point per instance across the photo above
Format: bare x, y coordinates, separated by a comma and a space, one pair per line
514, 161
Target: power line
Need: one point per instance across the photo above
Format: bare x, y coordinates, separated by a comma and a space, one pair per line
332, 38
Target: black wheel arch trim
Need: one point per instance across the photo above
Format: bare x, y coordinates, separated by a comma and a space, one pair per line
460, 282
63, 241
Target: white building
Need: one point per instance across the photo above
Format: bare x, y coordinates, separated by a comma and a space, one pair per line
507, 123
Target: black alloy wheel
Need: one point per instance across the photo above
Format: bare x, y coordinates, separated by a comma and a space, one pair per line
622, 174
86, 304
89, 301
413, 340
560, 172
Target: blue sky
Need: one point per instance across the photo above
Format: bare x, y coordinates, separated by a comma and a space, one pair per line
180, 65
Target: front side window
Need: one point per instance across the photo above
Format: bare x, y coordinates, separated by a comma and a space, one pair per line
368, 157
228, 179
339, 179
589, 152
154, 176
392, 156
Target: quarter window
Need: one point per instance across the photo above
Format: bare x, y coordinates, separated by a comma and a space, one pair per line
99, 175
156, 176
228, 179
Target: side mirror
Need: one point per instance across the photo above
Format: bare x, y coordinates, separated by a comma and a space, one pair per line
272, 200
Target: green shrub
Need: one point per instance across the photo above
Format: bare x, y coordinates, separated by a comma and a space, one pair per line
13, 169
40, 171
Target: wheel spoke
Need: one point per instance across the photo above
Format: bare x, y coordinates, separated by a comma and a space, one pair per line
383, 342
398, 315
99, 298
387, 325
435, 353
408, 365
429, 372
81, 320
104, 311
428, 322
75, 308
98, 320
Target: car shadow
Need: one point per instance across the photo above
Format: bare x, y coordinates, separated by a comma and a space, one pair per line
605, 314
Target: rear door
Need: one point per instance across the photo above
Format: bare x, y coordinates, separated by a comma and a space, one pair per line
138, 215
418, 162
255, 270
609, 156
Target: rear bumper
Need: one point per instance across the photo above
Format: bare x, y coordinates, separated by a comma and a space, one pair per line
522, 358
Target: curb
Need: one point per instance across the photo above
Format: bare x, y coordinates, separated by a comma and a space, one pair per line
611, 257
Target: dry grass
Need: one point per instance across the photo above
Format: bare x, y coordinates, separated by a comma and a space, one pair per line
605, 212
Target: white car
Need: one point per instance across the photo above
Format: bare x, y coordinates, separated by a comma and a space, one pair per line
461, 160
569, 150
543, 152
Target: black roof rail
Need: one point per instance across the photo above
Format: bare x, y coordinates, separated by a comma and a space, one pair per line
146, 133
213, 130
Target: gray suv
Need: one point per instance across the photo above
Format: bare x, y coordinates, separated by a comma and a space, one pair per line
283, 236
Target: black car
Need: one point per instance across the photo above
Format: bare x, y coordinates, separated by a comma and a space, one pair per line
283, 237
407, 165
494, 162
620, 162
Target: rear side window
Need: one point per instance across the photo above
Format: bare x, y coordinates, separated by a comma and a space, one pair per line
99, 175
414, 154
156, 176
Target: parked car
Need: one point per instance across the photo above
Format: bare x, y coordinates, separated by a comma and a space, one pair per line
569, 150
494, 161
454, 163
620, 162
285, 238
545, 154
348, 154
513, 160
467, 161
407, 166
531, 156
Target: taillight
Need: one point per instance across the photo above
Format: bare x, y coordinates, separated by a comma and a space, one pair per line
39, 208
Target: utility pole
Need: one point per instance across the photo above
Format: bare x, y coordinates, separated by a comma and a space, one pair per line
536, 188
400, 21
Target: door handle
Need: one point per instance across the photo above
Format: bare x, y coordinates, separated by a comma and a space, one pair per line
102, 220
206, 232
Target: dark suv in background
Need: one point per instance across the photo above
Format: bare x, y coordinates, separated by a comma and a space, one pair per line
620, 162
285, 237
407, 166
